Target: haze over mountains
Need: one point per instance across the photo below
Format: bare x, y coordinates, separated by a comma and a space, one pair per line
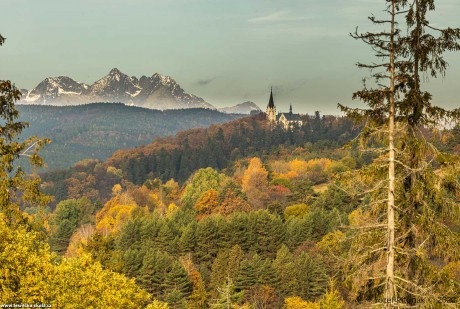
155, 92
95, 131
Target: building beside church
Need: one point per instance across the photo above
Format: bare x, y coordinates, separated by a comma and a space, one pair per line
286, 120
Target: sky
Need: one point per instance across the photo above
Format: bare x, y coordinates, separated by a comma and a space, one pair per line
225, 51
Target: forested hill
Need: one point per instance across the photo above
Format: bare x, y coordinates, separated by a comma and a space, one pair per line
178, 157
95, 131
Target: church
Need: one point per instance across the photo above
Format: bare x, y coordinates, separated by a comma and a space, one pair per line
286, 120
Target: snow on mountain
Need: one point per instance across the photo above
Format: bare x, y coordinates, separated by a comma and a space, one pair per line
155, 92
116, 86
55, 89
242, 108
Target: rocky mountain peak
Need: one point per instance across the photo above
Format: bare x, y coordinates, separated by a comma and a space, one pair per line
156, 92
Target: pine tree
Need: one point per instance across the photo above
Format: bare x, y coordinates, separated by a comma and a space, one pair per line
286, 271
311, 279
153, 273
177, 286
187, 241
247, 277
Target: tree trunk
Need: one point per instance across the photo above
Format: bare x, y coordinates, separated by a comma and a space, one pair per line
390, 291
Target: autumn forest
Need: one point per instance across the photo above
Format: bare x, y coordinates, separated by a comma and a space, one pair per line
360, 210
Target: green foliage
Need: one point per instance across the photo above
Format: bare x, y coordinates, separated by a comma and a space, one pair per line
202, 181
177, 285
154, 271
67, 217
15, 187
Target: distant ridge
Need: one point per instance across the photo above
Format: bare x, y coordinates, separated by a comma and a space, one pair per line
247, 107
95, 131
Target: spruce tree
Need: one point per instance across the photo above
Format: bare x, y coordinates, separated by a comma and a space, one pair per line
403, 225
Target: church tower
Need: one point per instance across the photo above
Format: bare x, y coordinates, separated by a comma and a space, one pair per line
271, 109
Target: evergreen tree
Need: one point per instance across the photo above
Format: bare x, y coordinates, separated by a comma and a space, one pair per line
311, 278
155, 268
411, 199
208, 235
165, 238
132, 259
286, 271
15, 187
247, 276
187, 241
177, 286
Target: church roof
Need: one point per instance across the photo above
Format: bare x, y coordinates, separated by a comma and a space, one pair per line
290, 116
271, 103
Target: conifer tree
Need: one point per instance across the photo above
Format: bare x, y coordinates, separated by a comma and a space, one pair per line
402, 226
15, 187
177, 286
153, 273
247, 277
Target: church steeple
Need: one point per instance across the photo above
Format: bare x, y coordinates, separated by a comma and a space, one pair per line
271, 108
271, 102
290, 108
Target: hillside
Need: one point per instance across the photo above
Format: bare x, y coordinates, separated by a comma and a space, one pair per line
178, 157
95, 131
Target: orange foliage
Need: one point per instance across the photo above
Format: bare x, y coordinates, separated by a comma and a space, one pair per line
255, 183
232, 203
279, 193
207, 202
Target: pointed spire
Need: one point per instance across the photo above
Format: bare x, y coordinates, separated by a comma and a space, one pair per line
290, 108
271, 103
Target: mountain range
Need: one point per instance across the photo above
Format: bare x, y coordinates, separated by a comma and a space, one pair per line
154, 92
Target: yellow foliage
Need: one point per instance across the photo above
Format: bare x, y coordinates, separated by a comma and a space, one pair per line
332, 298
331, 241
115, 213
297, 210
29, 274
115, 171
359, 218
255, 176
81, 283
156, 304
255, 183
298, 303
172, 209
116, 189
452, 270
292, 175
279, 167
324, 163
79, 238
298, 166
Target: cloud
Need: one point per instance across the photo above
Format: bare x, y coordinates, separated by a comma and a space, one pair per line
277, 17
205, 82
284, 89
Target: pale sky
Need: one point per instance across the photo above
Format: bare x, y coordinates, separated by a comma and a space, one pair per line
226, 51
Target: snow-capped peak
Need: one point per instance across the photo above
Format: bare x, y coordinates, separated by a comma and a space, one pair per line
157, 92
